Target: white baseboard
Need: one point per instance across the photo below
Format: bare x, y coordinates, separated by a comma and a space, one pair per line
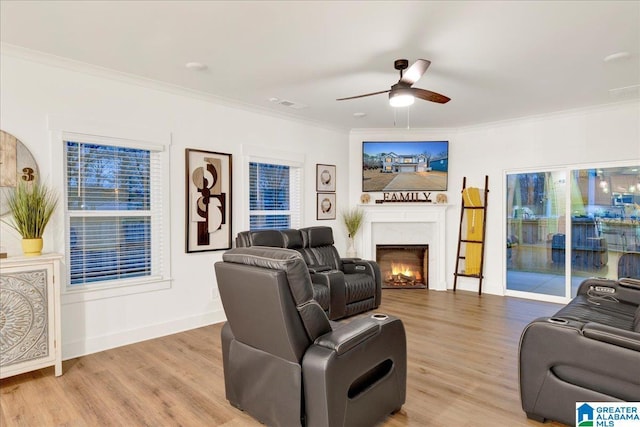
106, 342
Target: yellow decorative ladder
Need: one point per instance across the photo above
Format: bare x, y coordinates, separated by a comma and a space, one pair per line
474, 208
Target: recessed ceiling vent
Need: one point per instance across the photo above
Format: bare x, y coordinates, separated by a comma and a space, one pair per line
293, 105
290, 104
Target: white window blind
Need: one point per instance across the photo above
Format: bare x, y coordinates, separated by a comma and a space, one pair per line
274, 196
114, 213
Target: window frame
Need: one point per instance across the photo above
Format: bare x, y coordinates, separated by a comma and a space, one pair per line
254, 154
294, 175
81, 131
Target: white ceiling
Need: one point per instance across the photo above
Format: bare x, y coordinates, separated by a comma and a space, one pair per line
496, 60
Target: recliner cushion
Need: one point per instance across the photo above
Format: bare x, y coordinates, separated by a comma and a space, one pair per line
323, 255
585, 309
313, 316
636, 320
318, 236
286, 260
292, 239
359, 287
243, 239
321, 294
272, 238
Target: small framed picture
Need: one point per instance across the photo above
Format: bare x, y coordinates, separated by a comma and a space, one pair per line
208, 201
326, 206
325, 177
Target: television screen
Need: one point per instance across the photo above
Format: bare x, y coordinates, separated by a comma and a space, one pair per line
393, 166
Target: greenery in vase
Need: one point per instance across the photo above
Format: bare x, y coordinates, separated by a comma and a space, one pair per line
353, 220
31, 205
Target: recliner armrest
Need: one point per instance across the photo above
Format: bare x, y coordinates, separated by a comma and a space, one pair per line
350, 260
334, 280
344, 388
611, 335
349, 336
318, 268
370, 268
624, 290
358, 266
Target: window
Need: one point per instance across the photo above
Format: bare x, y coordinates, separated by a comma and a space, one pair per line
114, 213
274, 196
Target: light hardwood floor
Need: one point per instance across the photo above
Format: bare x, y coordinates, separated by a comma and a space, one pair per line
462, 371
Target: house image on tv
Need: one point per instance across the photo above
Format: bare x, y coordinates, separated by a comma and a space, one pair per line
392, 162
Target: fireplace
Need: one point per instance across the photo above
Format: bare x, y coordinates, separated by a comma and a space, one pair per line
405, 224
403, 266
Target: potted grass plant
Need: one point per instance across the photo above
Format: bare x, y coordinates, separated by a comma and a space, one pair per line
352, 219
31, 205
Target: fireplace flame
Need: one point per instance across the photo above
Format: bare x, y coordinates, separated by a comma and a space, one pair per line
405, 270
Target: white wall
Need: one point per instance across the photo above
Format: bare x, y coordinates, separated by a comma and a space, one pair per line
597, 135
33, 90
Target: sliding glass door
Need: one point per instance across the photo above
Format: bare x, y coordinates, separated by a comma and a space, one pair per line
605, 220
536, 227
565, 225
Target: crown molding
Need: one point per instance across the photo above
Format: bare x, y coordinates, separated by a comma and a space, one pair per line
401, 131
573, 112
108, 73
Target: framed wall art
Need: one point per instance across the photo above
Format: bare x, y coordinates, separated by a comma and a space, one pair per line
208, 200
325, 178
326, 206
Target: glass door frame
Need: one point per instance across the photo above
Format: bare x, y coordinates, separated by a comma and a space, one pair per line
568, 170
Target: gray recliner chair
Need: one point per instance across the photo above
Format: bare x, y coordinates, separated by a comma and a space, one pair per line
286, 364
292, 239
360, 279
343, 286
589, 351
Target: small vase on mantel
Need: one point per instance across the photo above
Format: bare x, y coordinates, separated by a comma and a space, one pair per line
32, 247
352, 220
351, 248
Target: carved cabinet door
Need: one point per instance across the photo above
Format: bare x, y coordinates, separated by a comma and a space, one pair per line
28, 323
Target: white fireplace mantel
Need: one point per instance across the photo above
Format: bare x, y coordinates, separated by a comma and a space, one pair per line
407, 223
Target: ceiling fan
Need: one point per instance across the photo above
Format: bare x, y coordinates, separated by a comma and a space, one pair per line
402, 93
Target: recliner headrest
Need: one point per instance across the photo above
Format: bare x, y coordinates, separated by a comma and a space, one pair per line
286, 260
272, 238
317, 236
291, 263
243, 239
292, 239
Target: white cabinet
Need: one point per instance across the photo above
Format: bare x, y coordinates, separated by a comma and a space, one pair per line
30, 314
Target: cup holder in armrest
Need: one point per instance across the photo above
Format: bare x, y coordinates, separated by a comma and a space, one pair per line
379, 316
558, 321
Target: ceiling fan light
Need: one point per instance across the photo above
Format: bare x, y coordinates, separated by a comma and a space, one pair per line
400, 99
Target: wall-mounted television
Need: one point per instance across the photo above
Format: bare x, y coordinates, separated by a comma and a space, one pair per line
393, 166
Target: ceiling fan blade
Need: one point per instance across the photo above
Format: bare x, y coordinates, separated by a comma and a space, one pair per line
413, 73
366, 94
427, 95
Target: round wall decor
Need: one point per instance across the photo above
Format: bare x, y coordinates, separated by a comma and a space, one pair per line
16, 164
